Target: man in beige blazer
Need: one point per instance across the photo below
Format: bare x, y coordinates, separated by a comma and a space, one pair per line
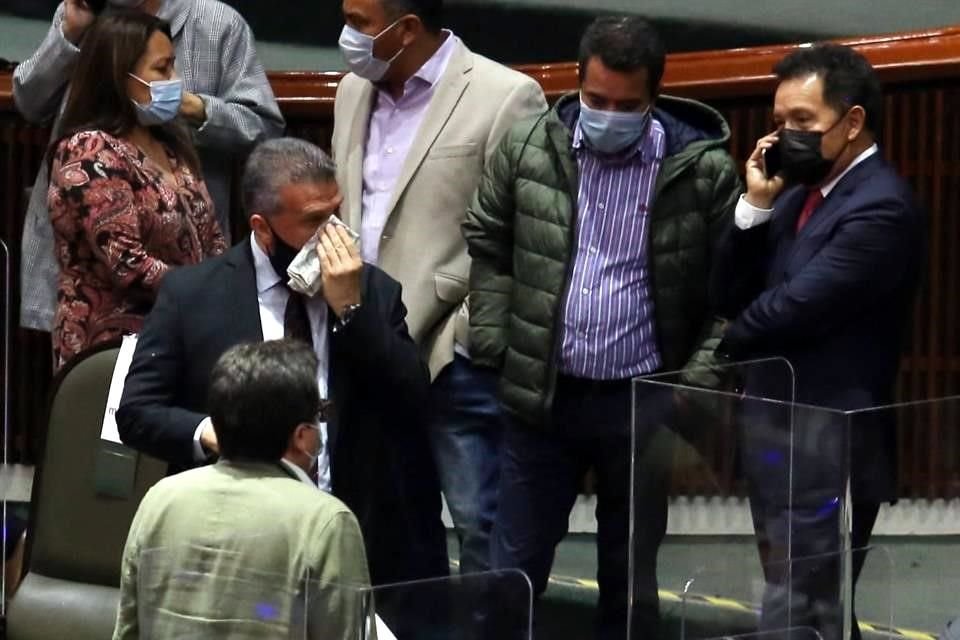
249, 546
415, 123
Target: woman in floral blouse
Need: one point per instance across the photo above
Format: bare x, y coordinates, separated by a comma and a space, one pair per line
127, 200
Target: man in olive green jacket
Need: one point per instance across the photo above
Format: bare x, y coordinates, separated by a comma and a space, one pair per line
592, 236
248, 547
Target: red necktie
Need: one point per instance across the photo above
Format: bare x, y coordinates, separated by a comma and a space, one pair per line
814, 198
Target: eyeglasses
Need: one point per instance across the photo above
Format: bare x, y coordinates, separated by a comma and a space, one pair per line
326, 408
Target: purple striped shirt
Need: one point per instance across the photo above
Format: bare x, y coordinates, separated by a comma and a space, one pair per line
608, 330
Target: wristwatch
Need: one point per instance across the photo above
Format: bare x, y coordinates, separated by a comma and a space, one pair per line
347, 315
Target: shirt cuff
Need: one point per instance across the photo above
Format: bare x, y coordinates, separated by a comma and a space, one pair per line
748, 216
206, 113
199, 455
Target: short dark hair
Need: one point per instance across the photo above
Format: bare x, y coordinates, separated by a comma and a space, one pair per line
848, 78
258, 395
276, 163
625, 44
430, 12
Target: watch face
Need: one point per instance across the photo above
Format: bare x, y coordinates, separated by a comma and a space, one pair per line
348, 313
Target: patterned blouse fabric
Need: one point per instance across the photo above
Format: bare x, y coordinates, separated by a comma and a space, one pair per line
119, 225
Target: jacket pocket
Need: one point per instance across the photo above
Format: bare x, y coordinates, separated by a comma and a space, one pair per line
450, 288
454, 151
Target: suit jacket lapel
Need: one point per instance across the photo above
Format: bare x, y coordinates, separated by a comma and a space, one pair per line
356, 146
242, 292
833, 203
781, 234
447, 94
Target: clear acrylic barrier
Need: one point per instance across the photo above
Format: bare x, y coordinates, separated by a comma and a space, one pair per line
927, 483
209, 592
5, 318
201, 591
697, 432
494, 605
815, 478
795, 633
721, 599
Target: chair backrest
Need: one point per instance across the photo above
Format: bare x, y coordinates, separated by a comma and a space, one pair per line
77, 533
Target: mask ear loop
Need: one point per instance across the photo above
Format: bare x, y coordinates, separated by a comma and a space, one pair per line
139, 79
846, 142
399, 51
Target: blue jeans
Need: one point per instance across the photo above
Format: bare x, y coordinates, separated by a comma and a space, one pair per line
465, 433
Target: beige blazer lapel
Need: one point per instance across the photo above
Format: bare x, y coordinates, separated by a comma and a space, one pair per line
356, 145
447, 94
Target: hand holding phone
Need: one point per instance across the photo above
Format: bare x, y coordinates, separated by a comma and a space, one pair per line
772, 160
764, 181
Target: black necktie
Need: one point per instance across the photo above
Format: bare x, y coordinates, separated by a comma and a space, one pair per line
296, 322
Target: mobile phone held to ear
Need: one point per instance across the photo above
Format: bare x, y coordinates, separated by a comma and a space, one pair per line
96, 6
772, 160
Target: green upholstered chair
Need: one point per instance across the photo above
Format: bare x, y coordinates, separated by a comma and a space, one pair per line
84, 496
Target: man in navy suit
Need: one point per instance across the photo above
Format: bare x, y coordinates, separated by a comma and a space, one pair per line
372, 453
820, 269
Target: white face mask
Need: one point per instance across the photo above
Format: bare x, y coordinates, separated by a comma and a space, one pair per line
316, 454
357, 51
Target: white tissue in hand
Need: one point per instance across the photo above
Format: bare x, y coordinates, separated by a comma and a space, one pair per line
304, 270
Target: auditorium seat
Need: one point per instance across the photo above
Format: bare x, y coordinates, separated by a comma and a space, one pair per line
77, 533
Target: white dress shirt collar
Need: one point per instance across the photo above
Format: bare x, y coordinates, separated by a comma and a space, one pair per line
267, 277
433, 68
299, 473
866, 153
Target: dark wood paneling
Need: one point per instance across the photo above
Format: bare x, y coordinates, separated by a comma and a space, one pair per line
921, 137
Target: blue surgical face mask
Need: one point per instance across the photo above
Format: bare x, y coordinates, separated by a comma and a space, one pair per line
612, 131
357, 50
165, 99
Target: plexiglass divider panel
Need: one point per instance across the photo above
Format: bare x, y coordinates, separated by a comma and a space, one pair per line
208, 590
791, 463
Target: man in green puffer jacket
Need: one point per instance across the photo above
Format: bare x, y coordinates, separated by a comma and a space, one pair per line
592, 236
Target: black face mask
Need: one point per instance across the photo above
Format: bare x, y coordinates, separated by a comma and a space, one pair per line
801, 156
282, 255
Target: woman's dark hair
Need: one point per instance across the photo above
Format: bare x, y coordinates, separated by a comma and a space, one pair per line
98, 98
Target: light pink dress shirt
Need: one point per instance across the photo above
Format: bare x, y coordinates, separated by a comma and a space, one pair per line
393, 128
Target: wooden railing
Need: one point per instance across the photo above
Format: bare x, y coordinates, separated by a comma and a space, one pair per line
921, 136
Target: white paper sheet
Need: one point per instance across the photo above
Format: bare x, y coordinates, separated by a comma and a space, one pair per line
124, 358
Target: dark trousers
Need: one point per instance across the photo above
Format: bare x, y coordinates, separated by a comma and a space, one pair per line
541, 475
808, 594
798, 464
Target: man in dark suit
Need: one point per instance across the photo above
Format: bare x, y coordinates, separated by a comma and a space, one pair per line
374, 455
820, 269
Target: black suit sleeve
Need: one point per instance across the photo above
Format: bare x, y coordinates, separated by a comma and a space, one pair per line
148, 419
739, 268
377, 348
864, 260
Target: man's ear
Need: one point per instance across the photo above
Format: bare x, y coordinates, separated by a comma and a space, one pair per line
297, 439
858, 121
412, 28
262, 232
